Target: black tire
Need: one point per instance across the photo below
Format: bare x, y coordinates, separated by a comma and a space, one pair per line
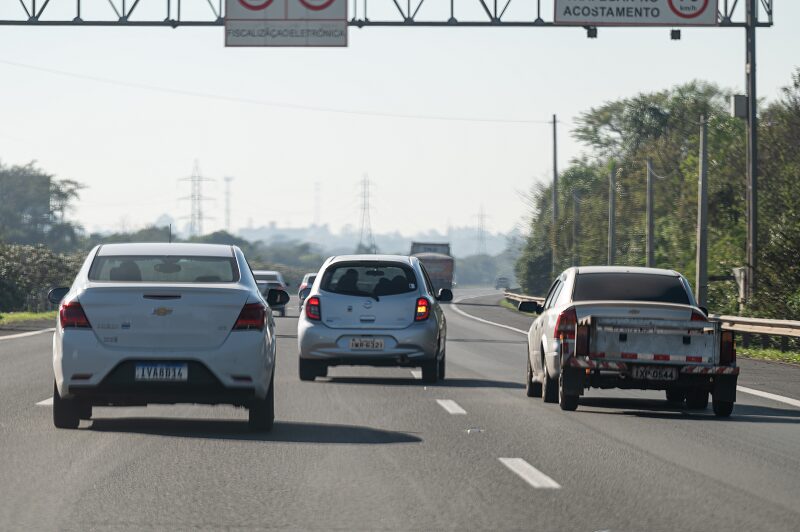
442, 367
307, 369
430, 371
566, 402
549, 388
65, 411
282, 312
532, 389
84, 411
697, 399
676, 396
722, 408
322, 370
261, 412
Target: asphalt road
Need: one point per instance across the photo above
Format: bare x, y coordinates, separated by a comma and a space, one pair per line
374, 449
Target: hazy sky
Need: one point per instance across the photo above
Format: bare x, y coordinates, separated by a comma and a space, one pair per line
130, 146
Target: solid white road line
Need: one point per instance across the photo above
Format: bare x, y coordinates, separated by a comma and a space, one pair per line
454, 306
417, 374
771, 396
23, 335
46, 402
530, 474
451, 406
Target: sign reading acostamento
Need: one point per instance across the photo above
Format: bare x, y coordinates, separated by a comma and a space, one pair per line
286, 23
636, 12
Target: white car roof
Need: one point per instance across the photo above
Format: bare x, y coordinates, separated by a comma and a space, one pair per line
405, 259
163, 248
266, 272
625, 269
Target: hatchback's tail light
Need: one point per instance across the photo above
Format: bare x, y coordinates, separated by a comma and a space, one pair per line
423, 309
727, 349
565, 324
71, 315
313, 308
252, 317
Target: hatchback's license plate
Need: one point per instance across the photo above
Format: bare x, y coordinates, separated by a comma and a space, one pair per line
162, 372
366, 344
655, 373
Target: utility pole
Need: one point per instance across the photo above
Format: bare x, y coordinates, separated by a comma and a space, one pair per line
482, 232
651, 246
228, 203
554, 228
752, 150
701, 275
576, 227
612, 215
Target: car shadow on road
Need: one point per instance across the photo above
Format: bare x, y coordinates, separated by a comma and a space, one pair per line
446, 383
282, 431
656, 409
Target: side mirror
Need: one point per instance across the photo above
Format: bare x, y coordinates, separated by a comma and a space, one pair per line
55, 295
444, 295
531, 307
277, 297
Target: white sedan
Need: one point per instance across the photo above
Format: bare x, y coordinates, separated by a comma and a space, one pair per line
164, 323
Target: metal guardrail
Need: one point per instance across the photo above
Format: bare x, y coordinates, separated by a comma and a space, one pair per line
739, 324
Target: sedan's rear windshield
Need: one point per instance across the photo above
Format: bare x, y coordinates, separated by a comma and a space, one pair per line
369, 279
266, 276
164, 269
629, 287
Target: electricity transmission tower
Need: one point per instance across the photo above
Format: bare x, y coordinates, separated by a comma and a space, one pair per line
196, 198
481, 232
366, 241
228, 203
317, 204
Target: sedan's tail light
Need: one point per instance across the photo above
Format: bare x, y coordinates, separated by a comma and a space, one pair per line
313, 309
697, 316
71, 315
253, 317
423, 309
565, 324
727, 349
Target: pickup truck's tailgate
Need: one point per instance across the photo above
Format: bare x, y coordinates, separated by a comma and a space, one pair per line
652, 340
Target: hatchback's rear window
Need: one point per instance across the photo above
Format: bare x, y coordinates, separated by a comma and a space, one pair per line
164, 269
369, 279
629, 287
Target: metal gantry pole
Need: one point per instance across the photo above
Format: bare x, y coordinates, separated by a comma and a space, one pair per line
554, 243
701, 267
612, 215
752, 150
651, 255
576, 228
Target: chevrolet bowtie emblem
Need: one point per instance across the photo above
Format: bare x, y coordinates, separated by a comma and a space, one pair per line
162, 311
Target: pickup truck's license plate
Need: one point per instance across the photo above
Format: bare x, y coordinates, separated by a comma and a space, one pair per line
655, 373
162, 372
366, 343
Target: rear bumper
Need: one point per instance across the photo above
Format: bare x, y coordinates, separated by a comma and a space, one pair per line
402, 347
581, 373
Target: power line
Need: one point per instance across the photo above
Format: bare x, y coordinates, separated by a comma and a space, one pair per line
266, 103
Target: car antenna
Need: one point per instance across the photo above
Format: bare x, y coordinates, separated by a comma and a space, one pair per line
170, 233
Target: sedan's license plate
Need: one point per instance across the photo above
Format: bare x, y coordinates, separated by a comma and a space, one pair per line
655, 373
366, 344
162, 372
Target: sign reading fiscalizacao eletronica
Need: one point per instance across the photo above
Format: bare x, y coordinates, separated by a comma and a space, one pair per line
636, 12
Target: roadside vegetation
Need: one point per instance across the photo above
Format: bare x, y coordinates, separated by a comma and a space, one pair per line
664, 127
16, 318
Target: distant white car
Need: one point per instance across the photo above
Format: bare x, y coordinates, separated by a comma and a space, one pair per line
164, 323
268, 280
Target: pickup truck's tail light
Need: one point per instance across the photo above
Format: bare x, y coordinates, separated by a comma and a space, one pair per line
727, 349
565, 324
313, 309
253, 317
423, 309
698, 316
72, 316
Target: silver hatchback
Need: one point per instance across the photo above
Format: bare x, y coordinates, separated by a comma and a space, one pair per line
373, 310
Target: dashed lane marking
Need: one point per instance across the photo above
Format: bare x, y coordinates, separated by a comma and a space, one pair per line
771, 396
417, 374
451, 406
23, 335
530, 474
45, 402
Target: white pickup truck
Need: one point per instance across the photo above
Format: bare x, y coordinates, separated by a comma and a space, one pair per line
630, 328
